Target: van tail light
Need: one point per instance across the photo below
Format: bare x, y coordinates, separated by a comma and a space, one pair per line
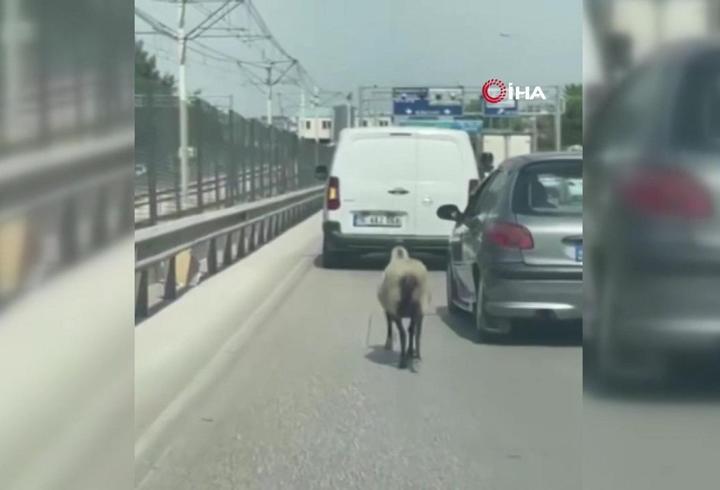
667, 193
333, 193
472, 185
510, 235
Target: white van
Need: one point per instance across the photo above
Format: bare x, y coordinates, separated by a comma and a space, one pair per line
385, 186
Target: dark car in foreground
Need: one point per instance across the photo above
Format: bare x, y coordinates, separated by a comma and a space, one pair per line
516, 251
652, 217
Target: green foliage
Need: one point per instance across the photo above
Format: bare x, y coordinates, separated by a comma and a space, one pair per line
147, 76
572, 120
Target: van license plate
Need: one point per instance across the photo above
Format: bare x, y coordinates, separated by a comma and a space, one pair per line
578, 253
379, 220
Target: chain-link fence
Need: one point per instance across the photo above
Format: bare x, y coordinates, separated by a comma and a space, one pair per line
234, 159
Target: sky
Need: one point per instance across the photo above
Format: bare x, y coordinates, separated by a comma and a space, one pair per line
345, 44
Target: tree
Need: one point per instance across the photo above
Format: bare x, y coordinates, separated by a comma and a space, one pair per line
572, 120
147, 76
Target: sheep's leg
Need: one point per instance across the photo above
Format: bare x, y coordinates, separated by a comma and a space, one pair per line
389, 341
411, 336
418, 333
403, 352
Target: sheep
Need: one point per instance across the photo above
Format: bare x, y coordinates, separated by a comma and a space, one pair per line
404, 293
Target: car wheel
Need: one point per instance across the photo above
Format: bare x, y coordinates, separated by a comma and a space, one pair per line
450, 290
611, 364
489, 329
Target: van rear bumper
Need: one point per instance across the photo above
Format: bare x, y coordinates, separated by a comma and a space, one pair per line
336, 241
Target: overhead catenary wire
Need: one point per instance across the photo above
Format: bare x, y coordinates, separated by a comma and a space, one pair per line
255, 34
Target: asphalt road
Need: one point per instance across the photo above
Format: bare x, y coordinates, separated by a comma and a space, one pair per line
312, 401
662, 437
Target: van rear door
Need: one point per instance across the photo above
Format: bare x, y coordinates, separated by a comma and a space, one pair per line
377, 174
446, 166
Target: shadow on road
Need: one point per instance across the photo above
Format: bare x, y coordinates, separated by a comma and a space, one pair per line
377, 262
547, 333
379, 355
461, 324
540, 333
691, 381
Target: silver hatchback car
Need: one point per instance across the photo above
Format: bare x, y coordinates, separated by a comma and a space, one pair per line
516, 251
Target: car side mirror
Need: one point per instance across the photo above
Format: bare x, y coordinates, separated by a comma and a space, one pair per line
487, 159
449, 212
321, 172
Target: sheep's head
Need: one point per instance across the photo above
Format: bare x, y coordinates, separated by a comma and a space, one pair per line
399, 252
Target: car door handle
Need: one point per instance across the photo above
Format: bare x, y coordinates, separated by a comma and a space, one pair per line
398, 191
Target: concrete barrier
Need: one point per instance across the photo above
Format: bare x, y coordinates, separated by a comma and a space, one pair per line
67, 380
184, 347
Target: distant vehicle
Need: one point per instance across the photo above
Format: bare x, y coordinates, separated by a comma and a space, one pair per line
653, 217
384, 186
504, 146
516, 251
574, 148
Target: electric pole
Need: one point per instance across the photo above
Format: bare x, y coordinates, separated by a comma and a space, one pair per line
558, 120
182, 104
316, 122
301, 115
269, 83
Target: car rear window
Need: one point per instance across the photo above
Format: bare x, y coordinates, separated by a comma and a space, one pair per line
697, 122
549, 188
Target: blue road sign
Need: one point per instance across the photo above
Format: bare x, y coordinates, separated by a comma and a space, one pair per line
507, 107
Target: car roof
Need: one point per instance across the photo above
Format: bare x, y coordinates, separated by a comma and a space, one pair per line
679, 51
413, 130
518, 162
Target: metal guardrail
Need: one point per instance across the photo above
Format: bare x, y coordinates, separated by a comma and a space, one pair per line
61, 204
228, 234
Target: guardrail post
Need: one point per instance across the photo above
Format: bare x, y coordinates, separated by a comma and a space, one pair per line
240, 253
141, 298
212, 257
252, 234
171, 281
227, 253
68, 232
99, 230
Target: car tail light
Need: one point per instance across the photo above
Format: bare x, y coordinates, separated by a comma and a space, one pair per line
510, 235
472, 185
333, 193
667, 193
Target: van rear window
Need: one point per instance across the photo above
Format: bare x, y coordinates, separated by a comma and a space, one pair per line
550, 188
